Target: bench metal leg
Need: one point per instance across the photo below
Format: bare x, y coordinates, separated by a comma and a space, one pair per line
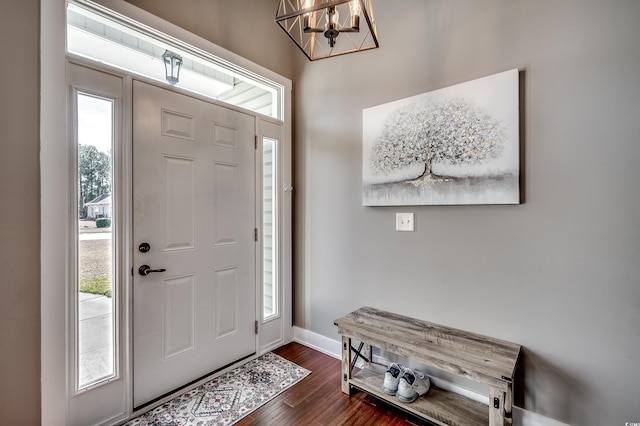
359, 353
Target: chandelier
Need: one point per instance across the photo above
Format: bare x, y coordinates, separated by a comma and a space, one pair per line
326, 28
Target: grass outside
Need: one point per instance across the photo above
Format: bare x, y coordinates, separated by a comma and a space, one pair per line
100, 285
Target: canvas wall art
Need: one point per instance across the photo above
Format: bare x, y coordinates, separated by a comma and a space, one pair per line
457, 145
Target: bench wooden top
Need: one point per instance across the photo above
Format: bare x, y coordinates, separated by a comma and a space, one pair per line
480, 358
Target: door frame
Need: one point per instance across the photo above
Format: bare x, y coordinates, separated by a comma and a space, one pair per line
55, 172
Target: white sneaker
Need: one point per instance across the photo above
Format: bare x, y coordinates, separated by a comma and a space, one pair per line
391, 378
412, 385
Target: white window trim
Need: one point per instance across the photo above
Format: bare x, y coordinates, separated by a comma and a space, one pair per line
55, 170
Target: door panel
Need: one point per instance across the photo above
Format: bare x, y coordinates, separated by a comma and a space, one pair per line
194, 203
179, 316
178, 175
226, 302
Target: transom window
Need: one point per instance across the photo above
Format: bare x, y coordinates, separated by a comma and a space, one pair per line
92, 33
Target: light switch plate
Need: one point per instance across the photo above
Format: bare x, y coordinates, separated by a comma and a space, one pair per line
405, 222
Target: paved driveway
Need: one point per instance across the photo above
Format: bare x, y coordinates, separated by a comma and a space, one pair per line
96, 337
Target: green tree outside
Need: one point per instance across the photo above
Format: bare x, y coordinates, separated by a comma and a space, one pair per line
94, 175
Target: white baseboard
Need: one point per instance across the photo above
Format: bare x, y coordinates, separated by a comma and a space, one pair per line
332, 348
529, 418
318, 342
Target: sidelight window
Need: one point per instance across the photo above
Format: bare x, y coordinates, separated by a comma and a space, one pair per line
269, 231
95, 325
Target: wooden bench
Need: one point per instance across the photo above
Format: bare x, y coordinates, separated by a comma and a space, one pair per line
479, 358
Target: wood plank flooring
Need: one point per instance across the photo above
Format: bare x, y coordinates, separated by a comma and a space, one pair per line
318, 400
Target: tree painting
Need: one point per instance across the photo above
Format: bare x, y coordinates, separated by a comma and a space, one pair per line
451, 146
422, 133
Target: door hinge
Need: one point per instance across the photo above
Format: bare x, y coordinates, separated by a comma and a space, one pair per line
256, 142
255, 234
256, 327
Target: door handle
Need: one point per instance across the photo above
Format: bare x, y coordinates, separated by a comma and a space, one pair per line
145, 270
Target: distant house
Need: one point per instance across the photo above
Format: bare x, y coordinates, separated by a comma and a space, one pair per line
99, 207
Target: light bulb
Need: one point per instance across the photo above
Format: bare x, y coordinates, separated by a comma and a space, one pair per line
306, 18
354, 5
333, 17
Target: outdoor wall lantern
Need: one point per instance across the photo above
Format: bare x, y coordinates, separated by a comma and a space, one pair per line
172, 64
315, 25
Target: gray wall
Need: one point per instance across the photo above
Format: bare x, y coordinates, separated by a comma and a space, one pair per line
559, 274
19, 215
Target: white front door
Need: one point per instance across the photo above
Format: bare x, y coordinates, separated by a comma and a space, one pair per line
194, 220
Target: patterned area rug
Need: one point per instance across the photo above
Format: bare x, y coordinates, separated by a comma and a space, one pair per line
229, 397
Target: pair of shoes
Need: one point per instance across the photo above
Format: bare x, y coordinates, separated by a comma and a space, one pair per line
405, 383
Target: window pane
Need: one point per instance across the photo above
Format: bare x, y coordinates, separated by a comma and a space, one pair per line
96, 349
269, 233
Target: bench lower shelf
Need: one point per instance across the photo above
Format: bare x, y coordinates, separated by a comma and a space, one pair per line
438, 406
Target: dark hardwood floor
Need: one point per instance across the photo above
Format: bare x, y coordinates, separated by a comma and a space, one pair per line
318, 399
